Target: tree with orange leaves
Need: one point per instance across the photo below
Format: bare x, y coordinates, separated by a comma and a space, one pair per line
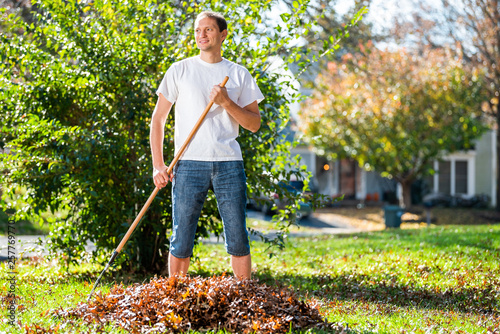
395, 112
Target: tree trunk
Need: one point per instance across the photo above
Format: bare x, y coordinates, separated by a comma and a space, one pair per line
406, 185
152, 246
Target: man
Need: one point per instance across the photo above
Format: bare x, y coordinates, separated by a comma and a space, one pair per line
213, 159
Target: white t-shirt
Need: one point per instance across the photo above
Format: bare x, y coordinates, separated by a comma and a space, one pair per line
188, 84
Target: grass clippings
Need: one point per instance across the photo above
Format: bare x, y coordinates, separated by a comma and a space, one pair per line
184, 303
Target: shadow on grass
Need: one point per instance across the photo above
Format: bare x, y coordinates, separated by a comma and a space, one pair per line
353, 287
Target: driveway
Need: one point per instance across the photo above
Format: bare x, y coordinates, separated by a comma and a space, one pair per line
316, 223
28, 245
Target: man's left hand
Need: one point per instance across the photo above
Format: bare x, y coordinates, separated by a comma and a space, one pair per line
219, 95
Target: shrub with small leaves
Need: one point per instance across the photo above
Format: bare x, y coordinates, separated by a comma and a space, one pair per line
78, 89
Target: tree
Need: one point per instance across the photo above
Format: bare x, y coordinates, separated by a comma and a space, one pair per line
329, 22
472, 28
78, 89
394, 112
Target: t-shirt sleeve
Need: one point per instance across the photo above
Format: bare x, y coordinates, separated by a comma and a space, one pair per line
250, 91
168, 87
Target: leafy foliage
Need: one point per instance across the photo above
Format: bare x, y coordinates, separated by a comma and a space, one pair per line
78, 86
329, 22
470, 28
394, 112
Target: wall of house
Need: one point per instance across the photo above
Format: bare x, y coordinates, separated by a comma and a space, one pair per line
356, 184
485, 166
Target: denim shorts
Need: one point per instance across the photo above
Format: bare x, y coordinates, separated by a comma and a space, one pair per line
192, 180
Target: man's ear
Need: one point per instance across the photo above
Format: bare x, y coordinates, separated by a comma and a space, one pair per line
224, 34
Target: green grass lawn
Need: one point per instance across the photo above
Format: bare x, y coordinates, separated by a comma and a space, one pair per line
443, 279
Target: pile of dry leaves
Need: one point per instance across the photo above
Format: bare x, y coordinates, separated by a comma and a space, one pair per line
180, 303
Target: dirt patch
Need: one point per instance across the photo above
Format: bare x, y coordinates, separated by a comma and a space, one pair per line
492, 216
181, 303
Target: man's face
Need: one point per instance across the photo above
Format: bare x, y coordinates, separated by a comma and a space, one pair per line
207, 34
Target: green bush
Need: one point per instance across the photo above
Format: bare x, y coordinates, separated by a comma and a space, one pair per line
78, 90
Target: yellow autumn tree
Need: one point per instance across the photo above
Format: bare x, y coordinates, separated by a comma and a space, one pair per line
395, 112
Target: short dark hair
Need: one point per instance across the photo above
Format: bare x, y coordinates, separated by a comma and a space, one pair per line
218, 17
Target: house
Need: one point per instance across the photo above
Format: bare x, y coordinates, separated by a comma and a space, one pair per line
466, 173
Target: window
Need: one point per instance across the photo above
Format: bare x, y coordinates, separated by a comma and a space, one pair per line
444, 177
454, 176
461, 177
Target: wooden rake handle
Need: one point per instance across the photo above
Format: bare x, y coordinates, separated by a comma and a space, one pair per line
169, 171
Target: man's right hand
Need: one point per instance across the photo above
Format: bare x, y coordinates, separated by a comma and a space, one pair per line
160, 176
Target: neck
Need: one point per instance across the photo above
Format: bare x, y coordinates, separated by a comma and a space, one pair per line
211, 57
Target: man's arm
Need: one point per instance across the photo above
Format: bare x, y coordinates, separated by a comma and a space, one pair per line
156, 136
248, 117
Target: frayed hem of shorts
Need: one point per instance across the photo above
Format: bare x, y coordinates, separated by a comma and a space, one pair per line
181, 257
232, 254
